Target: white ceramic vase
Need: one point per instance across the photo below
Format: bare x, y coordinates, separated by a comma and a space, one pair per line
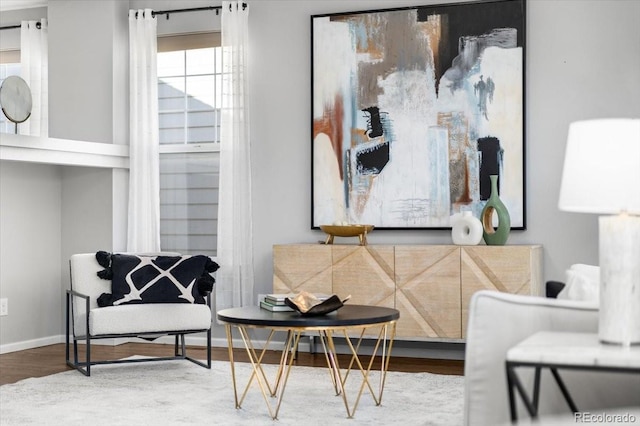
466, 230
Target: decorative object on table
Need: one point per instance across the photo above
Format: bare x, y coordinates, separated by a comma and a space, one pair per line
495, 236
408, 121
466, 229
308, 304
16, 100
345, 230
602, 175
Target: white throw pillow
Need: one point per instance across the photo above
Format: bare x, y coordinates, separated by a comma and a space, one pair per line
582, 283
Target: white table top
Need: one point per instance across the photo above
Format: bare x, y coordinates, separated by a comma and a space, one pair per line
575, 350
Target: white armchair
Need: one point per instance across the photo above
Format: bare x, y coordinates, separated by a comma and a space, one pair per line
87, 320
498, 321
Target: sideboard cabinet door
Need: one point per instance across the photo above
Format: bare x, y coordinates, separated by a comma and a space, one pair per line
428, 291
515, 269
366, 273
298, 267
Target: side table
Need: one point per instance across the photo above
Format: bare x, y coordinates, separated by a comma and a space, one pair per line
563, 350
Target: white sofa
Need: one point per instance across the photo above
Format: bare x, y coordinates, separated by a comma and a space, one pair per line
498, 321
86, 321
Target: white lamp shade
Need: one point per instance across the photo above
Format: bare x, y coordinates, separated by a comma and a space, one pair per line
601, 171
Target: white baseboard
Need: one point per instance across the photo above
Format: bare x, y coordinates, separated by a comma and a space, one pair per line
30, 344
53, 340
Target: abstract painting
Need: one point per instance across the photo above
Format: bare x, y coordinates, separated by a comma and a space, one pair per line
413, 109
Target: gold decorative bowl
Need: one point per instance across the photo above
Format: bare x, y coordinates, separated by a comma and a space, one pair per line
359, 231
308, 304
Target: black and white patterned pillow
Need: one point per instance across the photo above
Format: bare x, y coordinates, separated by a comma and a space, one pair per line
155, 279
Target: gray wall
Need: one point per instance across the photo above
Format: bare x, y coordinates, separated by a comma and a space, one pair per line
30, 238
85, 87
30, 234
582, 62
88, 98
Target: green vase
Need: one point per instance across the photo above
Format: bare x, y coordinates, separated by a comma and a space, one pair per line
495, 236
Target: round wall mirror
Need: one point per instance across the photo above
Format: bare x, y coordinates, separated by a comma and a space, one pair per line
15, 99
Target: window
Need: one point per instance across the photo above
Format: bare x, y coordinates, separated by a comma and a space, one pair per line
9, 65
189, 101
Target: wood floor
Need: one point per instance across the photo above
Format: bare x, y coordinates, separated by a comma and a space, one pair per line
48, 360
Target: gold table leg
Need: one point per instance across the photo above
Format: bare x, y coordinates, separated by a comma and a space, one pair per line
227, 328
339, 378
284, 369
330, 358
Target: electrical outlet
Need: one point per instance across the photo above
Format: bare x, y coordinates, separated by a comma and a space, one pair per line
4, 307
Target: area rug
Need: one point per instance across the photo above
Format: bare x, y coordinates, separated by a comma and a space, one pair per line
182, 393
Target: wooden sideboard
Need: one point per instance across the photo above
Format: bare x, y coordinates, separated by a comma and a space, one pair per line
431, 285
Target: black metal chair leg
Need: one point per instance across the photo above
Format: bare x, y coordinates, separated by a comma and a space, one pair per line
66, 339
209, 348
75, 353
88, 333
88, 355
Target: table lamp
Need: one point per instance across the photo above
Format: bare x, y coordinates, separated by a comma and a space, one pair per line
602, 175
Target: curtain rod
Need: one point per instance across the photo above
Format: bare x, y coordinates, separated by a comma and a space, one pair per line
153, 13
11, 27
193, 9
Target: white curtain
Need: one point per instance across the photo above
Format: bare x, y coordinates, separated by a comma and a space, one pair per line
144, 181
34, 60
234, 284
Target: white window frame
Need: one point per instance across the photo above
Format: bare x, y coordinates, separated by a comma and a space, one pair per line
185, 42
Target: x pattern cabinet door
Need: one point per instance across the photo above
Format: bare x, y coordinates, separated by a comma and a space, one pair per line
298, 267
428, 291
509, 269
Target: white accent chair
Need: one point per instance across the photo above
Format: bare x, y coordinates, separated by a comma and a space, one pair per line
498, 321
85, 320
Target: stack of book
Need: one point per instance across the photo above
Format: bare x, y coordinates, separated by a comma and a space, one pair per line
275, 302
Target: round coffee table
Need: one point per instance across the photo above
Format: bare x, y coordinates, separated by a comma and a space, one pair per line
345, 322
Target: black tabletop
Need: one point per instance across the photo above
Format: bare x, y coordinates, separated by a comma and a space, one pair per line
346, 316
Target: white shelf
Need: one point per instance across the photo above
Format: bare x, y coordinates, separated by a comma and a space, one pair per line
35, 149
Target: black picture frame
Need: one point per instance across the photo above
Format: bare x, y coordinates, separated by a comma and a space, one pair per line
413, 108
